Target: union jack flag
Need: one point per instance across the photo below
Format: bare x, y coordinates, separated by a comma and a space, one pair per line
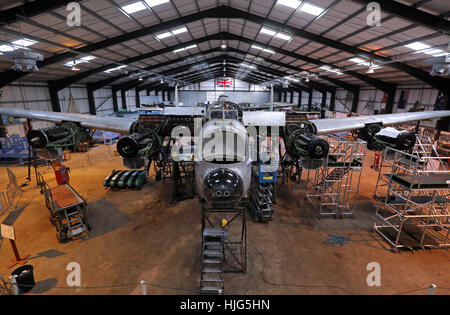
224, 82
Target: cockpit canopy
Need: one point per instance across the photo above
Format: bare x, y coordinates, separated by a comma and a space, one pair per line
223, 110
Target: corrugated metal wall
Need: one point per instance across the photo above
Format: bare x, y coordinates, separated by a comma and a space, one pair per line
36, 96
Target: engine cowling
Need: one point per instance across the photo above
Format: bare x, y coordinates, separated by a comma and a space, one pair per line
67, 135
378, 138
134, 145
305, 144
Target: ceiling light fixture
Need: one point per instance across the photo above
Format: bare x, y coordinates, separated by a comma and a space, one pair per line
371, 68
74, 67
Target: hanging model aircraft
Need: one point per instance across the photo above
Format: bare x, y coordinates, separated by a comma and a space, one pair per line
222, 167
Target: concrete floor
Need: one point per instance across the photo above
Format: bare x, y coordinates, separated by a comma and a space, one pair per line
138, 235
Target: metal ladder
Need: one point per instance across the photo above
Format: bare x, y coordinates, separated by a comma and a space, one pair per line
212, 262
74, 223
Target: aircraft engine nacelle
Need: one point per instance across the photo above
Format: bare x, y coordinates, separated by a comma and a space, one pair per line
378, 138
65, 136
137, 145
305, 144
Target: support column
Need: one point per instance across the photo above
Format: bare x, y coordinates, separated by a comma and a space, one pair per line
323, 104
138, 98
124, 99
115, 103
91, 100
390, 101
177, 99
300, 98
54, 98
333, 100
443, 124
271, 97
310, 100
292, 97
355, 100
285, 96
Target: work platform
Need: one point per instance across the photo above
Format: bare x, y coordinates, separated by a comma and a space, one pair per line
332, 189
412, 196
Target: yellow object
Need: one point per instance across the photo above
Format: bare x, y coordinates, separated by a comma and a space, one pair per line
224, 223
267, 177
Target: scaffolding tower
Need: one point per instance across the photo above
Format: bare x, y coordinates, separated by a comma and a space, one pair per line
412, 195
332, 189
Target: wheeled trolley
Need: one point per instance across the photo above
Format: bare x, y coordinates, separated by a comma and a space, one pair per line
67, 210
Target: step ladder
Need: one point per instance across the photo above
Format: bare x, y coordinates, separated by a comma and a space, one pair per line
212, 262
75, 223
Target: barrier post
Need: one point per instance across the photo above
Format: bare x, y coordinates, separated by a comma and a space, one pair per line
143, 287
14, 287
431, 289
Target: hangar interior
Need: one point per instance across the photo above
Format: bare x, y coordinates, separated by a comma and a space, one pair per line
91, 91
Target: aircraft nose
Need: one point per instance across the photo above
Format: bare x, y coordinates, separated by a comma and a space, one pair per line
223, 184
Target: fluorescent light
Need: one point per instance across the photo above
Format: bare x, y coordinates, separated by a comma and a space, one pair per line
78, 61
256, 47
154, 3
435, 52
190, 47
268, 51
114, 69
283, 36
163, 35
274, 33
290, 3
311, 9
417, 46
134, 7
268, 32
291, 79
88, 58
365, 63
326, 68
5, 48
179, 31
179, 50
357, 60
24, 42
248, 66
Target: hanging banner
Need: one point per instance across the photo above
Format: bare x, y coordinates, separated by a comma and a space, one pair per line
403, 99
224, 82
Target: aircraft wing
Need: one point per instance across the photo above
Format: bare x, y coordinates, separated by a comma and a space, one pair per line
114, 124
267, 106
326, 126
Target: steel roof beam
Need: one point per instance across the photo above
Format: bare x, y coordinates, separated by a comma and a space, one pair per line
30, 9
413, 15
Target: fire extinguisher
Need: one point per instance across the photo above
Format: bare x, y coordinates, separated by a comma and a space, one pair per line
376, 160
